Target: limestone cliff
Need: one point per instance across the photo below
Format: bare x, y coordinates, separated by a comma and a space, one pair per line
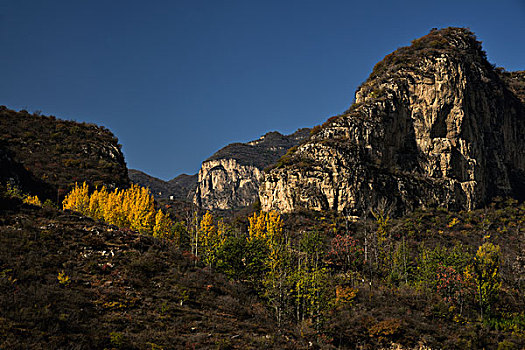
231, 177
435, 124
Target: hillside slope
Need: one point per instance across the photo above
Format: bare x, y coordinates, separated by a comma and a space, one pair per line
43, 155
67, 281
434, 124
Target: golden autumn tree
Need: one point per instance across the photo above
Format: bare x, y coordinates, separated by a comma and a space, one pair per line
268, 227
138, 204
163, 225
207, 238
257, 227
33, 200
274, 225
78, 199
97, 202
113, 210
207, 229
211, 238
133, 208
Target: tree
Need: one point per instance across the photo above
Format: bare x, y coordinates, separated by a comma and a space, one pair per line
97, 202
486, 274
133, 208
207, 230
243, 259
78, 199
33, 200
211, 237
257, 227
344, 252
310, 278
139, 205
268, 227
163, 225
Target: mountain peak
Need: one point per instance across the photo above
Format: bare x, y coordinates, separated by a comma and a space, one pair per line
434, 124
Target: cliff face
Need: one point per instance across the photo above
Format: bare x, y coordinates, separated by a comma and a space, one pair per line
231, 177
42, 155
434, 124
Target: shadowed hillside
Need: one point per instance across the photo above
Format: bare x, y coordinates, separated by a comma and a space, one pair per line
68, 281
57, 153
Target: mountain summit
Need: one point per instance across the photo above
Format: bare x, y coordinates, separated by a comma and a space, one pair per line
434, 124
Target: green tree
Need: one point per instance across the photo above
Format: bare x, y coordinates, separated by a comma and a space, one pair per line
243, 259
486, 275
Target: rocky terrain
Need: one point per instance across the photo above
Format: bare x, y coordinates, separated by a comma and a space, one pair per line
44, 155
434, 124
515, 82
230, 178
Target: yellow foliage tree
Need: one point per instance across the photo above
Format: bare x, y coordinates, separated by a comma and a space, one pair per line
78, 199
274, 225
211, 237
97, 202
133, 208
257, 228
265, 225
163, 225
138, 208
207, 230
33, 200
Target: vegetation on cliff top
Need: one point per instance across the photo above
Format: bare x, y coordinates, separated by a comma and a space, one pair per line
261, 153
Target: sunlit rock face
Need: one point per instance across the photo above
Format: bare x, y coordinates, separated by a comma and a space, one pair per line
231, 177
435, 124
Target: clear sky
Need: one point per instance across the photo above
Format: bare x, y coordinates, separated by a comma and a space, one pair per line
177, 80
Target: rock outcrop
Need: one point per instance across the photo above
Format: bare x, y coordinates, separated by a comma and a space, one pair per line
435, 124
231, 177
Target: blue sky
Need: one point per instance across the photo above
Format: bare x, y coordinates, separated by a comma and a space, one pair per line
177, 80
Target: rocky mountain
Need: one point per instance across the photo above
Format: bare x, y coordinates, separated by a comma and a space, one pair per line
44, 155
434, 124
230, 178
515, 82
181, 188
